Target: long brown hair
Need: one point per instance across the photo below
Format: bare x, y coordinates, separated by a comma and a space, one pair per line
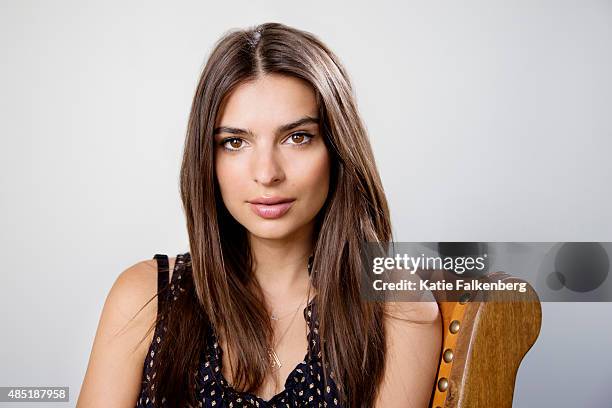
223, 293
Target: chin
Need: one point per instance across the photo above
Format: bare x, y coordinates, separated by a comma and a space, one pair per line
269, 233
271, 229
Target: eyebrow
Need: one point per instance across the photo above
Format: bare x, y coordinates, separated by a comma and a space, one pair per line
281, 129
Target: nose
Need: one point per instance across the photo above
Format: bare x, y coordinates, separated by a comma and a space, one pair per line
267, 166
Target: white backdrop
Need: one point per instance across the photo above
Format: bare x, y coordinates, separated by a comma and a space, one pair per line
490, 121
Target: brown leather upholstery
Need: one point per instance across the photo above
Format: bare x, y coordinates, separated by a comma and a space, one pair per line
483, 345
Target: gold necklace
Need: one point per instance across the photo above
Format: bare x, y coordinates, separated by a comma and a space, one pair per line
274, 359
274, 316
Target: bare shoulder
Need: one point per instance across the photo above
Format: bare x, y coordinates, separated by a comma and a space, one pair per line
423, 311
131, 300
122, 338
134, 285
413, 333
142, 275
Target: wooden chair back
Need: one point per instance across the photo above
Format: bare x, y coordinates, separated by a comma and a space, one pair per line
486, 336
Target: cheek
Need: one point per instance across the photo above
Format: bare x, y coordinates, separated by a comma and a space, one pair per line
315, 177
229, 183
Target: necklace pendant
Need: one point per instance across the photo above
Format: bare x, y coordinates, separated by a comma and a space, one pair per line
276, 363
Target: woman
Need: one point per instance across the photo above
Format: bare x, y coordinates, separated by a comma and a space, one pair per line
279, 189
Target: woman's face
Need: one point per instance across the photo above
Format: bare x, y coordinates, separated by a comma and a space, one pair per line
269, 149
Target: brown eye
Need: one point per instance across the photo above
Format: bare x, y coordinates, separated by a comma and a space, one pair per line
235, 143
298, 137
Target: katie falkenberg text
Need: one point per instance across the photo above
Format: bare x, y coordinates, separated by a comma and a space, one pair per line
459, 284
458, 264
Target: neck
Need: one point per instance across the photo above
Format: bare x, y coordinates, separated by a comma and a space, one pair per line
281, 266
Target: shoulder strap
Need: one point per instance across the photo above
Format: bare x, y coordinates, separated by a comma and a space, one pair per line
163, 277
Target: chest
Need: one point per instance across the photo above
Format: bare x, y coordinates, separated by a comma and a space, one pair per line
291, 350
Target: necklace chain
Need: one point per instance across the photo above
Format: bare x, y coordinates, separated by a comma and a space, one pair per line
274, 359
274, 316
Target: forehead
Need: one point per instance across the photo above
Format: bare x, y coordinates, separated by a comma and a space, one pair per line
268, 101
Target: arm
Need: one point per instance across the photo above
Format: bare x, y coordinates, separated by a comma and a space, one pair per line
113, 376
414, 342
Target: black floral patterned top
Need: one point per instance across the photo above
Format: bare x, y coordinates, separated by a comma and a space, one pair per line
304, 386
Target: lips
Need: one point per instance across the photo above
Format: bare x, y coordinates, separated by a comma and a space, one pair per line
271, 207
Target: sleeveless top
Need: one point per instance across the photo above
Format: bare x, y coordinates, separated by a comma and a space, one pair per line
304, 387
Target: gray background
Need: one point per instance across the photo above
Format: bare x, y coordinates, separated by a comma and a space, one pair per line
490, 121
